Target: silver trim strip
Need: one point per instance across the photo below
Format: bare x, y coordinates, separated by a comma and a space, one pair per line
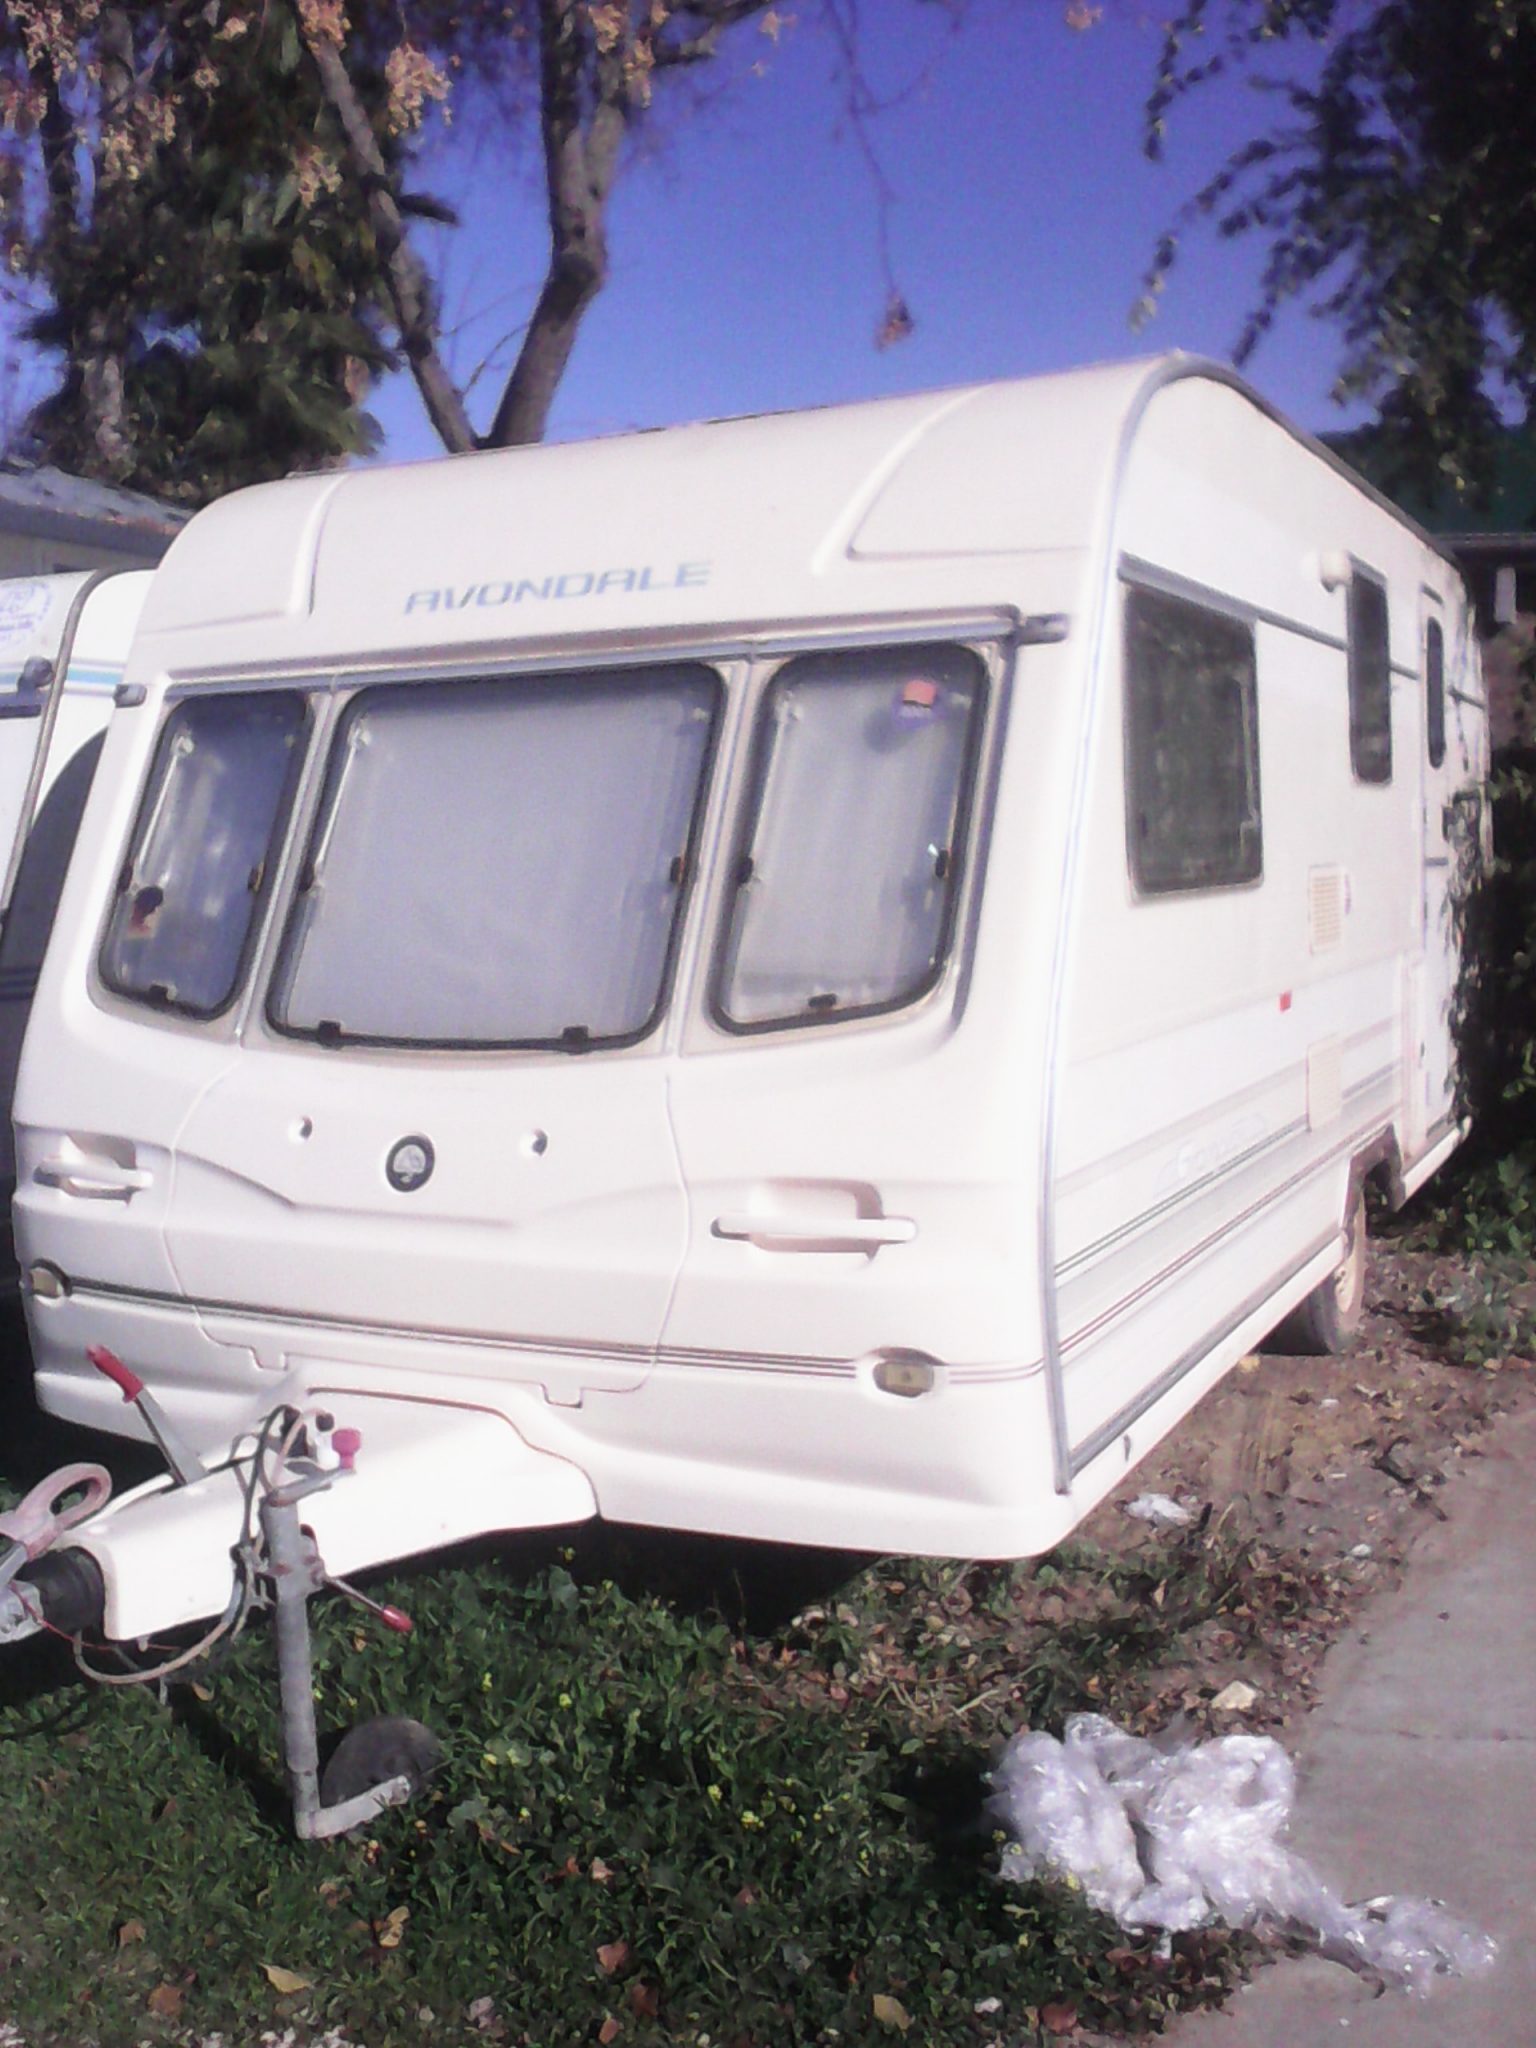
558, 1347
1137, 570
1349, 1148
1100, 1440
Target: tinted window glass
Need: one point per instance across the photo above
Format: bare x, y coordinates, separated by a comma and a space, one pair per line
1192, 746
201, 859
499, 862
1370, 680
846, 878
1434, 692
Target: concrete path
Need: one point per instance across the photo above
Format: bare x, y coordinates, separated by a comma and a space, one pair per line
1418, 1775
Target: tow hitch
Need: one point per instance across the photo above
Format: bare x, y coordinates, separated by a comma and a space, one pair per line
294, 1456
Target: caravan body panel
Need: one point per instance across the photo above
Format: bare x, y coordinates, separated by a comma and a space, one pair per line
841, 1106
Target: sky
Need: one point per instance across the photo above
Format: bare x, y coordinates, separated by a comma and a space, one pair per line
744, 235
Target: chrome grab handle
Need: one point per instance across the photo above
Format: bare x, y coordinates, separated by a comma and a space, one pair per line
92, 1178
817, 1233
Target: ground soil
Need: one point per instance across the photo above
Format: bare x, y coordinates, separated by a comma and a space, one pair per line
1332, 1464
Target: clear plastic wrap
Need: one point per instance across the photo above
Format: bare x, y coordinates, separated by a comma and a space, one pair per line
1187, 1837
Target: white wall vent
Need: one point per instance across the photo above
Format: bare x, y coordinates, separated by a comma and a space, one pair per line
1327, 899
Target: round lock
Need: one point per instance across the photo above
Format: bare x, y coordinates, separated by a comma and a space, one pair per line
409, 1165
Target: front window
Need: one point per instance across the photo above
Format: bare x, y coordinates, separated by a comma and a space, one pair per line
499, 863
846, 877
198, 870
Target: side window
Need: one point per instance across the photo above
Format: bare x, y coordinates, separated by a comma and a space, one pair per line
1434, 692
1192, 746
1370, 680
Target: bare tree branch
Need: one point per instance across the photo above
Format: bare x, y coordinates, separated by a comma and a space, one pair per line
411, 296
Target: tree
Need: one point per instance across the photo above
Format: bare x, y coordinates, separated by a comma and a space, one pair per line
213, 199
1395, 192
199, 273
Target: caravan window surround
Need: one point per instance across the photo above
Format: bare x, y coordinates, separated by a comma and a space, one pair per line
1188, 827
188, 904
398, 752
887, 697
1370, 677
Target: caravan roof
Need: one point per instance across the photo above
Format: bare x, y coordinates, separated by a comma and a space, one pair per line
838, 512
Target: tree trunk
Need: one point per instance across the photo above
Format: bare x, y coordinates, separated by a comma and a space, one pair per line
579, 163
411, 297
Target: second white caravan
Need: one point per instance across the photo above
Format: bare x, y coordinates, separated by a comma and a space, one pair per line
63, 641
816, 977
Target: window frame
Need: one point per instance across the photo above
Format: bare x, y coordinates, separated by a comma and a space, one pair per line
283, 815
748, 806
1231, 615
316, 824
1365, 735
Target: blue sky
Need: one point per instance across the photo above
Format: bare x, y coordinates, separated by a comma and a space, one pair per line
746, 268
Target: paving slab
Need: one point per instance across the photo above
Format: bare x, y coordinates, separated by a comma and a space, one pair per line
1418, 1775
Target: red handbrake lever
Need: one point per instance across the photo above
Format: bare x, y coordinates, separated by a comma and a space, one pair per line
184, 1462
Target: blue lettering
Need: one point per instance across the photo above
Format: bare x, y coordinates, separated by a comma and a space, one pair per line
572, 583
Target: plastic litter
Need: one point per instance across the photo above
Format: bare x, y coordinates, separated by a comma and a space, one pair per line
1161, 1510
1193, 1836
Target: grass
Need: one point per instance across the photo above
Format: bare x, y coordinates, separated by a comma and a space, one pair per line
692, 1793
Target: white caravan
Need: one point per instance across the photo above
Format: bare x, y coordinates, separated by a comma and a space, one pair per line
816, 977
63, 642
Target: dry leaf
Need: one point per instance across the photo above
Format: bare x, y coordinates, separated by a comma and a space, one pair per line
387, 1932
166, 2001
890, 2012
611, 1956
131, 1930
285, 1981
610, 2030
1059, 2019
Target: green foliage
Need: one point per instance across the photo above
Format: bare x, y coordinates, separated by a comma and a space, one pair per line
1482, 1210
211, 294
1393, 192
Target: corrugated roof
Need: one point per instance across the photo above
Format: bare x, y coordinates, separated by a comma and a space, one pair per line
64, 496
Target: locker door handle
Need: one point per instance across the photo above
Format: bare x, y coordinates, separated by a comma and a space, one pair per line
817, 1233
92, 1179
